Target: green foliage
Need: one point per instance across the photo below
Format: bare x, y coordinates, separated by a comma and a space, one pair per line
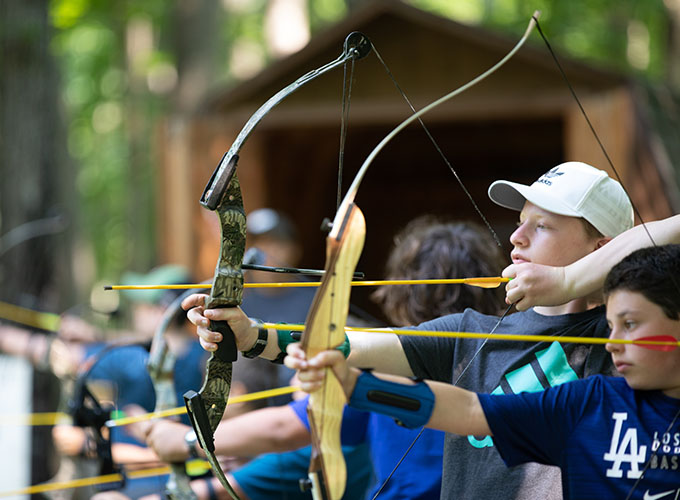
324, 12
112, 109
89, 43
596, 31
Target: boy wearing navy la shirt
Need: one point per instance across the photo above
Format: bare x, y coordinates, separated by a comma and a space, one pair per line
612, 437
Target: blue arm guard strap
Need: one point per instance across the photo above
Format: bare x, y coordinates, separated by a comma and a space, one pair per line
410, 405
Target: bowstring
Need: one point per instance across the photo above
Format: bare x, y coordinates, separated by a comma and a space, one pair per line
590, 125
344, 117
439, 150
654, 453
422, 429
637, 212
347, 83
599, 142
488, 225
481, 215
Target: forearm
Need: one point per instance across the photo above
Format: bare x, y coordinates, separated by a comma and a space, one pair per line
587, 275
131, 454
455, 410
267, 430
23, 343
382, 352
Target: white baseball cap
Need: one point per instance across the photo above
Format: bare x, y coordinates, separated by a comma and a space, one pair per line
574, 189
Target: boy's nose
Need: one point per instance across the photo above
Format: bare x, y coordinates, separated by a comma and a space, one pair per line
613, 347
518, 238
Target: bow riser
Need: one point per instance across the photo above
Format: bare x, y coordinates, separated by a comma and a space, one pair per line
325, 330
227, 290
207, 407
223, 195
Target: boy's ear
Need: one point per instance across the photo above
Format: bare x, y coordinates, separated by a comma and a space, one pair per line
602, 241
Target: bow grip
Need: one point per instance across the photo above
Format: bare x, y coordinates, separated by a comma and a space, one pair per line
226, 350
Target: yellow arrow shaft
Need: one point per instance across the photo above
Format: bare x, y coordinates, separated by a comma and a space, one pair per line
254, 396
54, 418
28, 317
491, 336
487, 282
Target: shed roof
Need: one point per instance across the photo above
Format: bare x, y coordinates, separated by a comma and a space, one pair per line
428, 54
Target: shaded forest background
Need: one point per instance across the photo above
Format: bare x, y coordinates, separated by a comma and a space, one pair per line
84, 82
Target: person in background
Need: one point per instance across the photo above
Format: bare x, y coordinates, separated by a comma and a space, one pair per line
116, 374
113, 361
569, 212
274, 238
425, 248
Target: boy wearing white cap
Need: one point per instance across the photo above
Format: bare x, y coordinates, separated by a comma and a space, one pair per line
569, 212
574, 189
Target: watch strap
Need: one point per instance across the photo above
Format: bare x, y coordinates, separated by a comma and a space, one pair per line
260, 343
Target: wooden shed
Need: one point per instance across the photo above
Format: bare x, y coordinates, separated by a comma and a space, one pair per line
514, 125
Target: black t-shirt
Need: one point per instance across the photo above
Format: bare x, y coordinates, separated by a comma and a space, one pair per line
472, 467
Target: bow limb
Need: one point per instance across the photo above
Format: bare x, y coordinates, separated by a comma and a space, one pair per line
223, 195
206, 407
351, 192
161, 367
324, 329
356, 46
330, 306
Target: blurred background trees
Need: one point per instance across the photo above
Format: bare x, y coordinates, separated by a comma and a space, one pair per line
83, 83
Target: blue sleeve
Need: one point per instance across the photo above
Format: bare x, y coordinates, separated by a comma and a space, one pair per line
277, 475
552, 415
299, 406
354, 422
123, 370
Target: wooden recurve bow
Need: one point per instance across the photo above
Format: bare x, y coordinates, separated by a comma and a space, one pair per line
325, 329
326, 319
223, 195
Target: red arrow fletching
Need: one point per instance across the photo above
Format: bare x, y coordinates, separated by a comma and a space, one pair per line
671, 343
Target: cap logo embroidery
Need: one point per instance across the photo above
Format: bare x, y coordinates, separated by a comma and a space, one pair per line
545, 178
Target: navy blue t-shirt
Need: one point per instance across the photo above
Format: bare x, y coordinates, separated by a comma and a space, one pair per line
277, 475
124, 370
598, 430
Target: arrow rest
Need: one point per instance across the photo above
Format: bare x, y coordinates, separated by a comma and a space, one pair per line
326, 225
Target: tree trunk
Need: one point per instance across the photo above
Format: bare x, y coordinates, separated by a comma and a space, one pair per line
673, 57
34, 263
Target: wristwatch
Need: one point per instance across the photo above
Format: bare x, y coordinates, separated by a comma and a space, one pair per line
260, 343
191, 440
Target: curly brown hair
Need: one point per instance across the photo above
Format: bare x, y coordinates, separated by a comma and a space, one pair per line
431, 248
